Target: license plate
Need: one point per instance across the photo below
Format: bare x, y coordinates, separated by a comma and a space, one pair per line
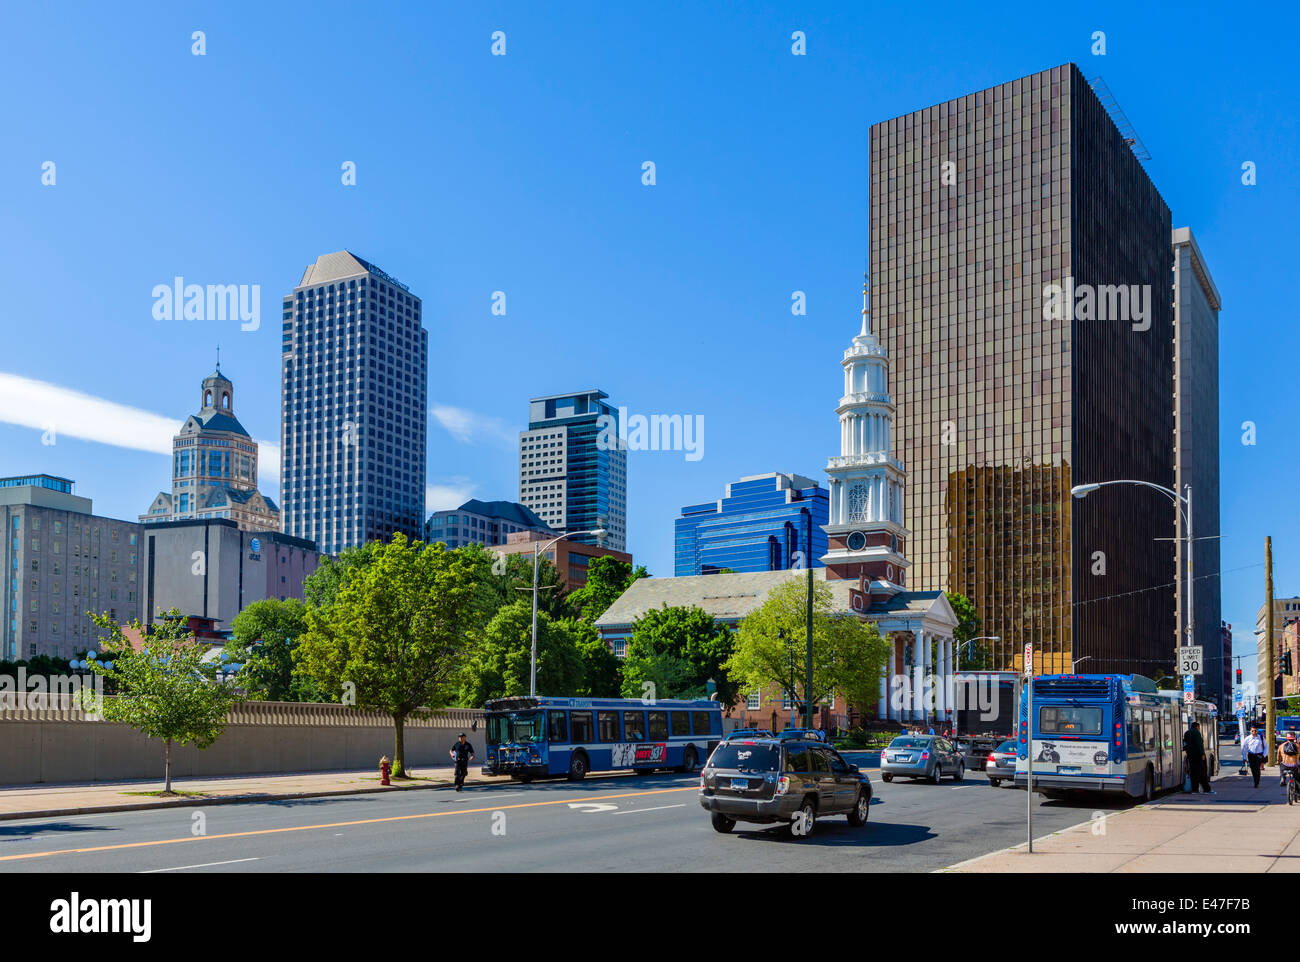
739, 784
902, 758
1063, 770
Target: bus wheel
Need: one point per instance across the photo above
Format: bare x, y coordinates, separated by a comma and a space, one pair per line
577, 767
1148, 787
690, 761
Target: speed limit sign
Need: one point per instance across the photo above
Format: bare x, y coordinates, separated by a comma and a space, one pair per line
1189, 660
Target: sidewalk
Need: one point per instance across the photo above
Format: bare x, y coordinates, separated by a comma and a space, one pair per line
42, 801
1238, 829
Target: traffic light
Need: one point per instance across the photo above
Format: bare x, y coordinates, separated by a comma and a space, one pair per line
1286, 662
1238, 676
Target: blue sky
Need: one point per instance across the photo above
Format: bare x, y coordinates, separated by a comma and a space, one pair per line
522, 174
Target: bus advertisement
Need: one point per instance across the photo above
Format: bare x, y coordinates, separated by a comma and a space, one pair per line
535, 736
1109, 733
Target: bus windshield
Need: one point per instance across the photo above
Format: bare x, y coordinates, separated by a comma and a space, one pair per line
1069, 720
524, 726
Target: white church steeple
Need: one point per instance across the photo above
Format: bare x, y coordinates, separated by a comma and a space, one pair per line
866, 532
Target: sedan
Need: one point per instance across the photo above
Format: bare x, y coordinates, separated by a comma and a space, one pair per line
921, 756
1001, 764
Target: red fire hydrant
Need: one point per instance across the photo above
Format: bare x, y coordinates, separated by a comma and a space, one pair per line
384, 768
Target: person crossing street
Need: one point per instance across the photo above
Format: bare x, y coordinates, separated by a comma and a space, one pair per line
462, 753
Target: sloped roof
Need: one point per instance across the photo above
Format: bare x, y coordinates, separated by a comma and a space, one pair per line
509, 511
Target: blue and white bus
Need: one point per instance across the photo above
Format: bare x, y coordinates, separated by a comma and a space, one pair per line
533, 736
1109, 733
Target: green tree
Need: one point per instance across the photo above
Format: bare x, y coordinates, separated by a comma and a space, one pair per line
607, 578
500, 665
677, 650
322, 585
167, 688
504, 579
602, 671
848, 653
263, 639
973, 657
396, 635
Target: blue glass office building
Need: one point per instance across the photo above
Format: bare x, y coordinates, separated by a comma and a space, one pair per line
760, 525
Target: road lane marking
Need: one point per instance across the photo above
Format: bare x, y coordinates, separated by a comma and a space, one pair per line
182, 868
591, 807
657, 808
308, 828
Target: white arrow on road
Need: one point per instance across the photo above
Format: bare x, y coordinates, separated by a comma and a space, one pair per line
592, 806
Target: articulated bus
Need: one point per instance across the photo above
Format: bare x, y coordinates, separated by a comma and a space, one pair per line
1109, 733
534, 736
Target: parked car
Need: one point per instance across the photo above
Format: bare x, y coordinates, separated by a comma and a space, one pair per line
807, 734
773, 780
1001, 764
922, 756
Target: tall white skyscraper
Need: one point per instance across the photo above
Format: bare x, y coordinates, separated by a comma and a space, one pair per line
354, 374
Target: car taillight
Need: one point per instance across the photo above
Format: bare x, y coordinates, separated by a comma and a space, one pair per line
924, 756
993, 759
783, 784
703, 783
882, 754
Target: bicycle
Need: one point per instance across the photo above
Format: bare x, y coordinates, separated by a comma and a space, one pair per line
1292, 788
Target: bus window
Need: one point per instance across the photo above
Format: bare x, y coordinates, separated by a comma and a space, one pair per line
1148, 731
700, 723
580, 722
681, 722
1135, 732
607, 725
633, 726
498, 729
558, 726
1069, 720
658, 726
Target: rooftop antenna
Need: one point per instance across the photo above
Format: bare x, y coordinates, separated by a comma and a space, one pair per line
866, 322
218, 358
1126, 129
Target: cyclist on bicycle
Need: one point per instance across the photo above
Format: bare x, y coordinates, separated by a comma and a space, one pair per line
1288, 758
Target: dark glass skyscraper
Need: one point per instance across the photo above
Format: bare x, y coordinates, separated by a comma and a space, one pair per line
1005, 225
354, 371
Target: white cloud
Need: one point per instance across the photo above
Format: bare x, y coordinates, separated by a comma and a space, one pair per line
451, 493
468, 427
49, 407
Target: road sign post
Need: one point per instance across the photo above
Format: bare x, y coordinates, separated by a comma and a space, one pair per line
1029, 744
1191, 660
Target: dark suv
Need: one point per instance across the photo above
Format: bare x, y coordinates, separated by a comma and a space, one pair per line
770, 781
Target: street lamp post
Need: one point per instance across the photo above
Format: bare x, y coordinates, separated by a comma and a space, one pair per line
971, 641
1081, 491
538, 548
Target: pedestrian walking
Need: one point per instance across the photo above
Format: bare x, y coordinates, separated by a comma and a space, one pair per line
462, 753
1194, 748
1253, 751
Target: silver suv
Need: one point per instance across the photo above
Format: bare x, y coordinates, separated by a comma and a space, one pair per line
771, 781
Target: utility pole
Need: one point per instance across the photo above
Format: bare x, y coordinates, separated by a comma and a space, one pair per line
808, 691
1270, 706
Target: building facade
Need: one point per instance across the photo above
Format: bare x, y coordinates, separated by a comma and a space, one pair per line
214, 467
213, 570
1196, 454
766, 522
354, 375
568, 476
1268, 677
482, 522
570, 556
1005, 225
62, 564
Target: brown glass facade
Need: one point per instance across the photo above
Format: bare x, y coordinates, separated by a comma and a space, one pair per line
977, 206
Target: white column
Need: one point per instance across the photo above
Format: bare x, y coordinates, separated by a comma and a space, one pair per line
948, 699
940, 700
882, 704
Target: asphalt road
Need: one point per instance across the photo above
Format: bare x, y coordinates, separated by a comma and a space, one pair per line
606, 824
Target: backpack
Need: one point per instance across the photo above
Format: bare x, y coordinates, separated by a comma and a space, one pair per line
1289, 748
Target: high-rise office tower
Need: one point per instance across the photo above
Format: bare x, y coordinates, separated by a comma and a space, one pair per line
354, 372
1020, 265
573, 468
1196, 452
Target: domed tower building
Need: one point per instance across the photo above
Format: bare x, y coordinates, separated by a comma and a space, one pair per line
214, 467
867, 541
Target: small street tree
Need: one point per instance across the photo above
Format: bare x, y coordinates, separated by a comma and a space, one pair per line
165, 688
677, 651
501, 664
395, 636
771, 643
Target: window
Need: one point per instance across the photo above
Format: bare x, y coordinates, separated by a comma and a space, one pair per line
607, 725
557, 726
753, 701
634, 726
796, 759
1069, 720
838, 765
658, 726
681, 722
580, 726
702, 722
819, 765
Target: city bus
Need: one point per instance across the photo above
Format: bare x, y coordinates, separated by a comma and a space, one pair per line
534, 736
1109, 733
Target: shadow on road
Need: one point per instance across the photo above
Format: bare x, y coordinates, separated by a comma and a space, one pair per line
843, 835
13, 833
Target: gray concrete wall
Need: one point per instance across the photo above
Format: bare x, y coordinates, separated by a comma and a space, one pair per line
63, 745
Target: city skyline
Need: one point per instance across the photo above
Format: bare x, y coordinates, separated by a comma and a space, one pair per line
472, 418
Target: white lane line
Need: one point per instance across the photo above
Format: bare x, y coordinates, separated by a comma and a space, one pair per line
657, 808
181, 868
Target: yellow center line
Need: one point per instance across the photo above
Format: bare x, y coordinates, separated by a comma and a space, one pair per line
360, 821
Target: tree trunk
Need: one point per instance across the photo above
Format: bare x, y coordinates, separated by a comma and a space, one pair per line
167, 767
399, 762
